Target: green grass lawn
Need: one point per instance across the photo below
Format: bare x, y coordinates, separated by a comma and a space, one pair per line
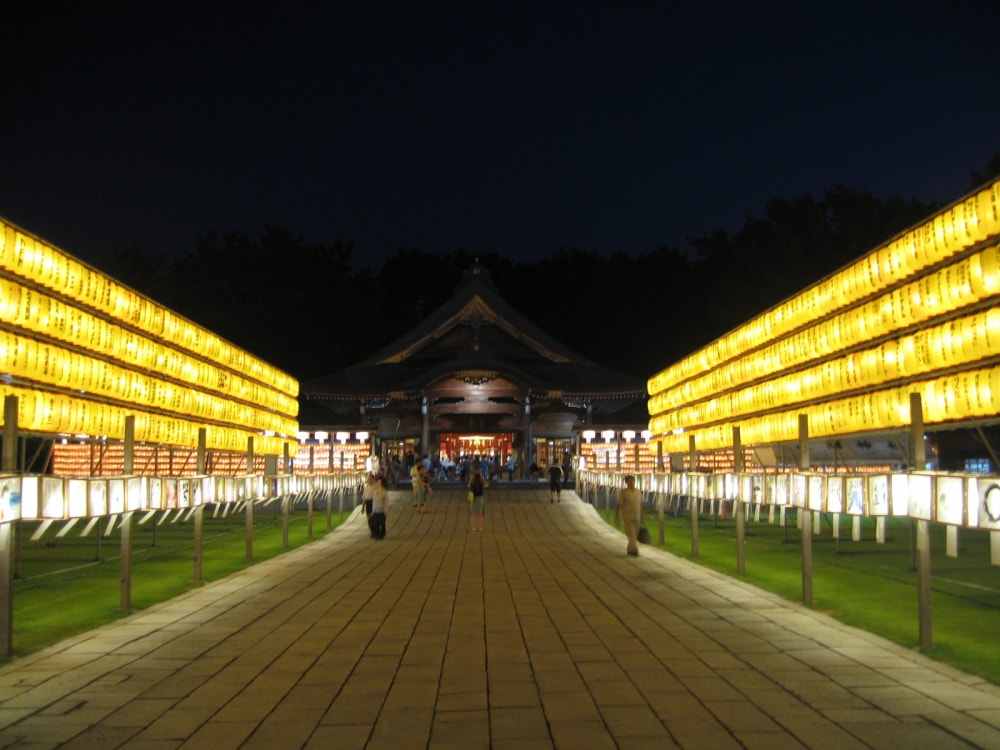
864, 584
70, 585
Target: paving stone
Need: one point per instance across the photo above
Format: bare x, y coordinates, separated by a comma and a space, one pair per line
536, 633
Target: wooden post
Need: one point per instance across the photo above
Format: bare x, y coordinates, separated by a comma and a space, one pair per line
328, 499
199, 514
661, 502
8, 463
125, 600
740, 509
309, 513
693, 501
129, 467
249, 506
923, 529
249, 530
807, 549
199, 535
284, 520
202, 449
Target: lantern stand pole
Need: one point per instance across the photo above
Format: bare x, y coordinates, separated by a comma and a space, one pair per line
199, 514
661, 501
285, 504
692, 500
740, 509
8, 463
125, 600
249, 505
330, 492
310, 506
806, 515
923, 527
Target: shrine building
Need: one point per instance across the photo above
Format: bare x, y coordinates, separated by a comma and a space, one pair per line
475, 378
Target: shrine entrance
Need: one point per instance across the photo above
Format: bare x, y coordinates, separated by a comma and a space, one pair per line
457, 446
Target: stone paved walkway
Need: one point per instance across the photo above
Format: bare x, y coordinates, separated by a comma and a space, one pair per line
537, 633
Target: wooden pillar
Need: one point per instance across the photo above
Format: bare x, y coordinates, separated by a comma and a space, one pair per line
199, 535
328, 499
8, 463
125, 601
249, 530
202, 450
923, 529
199, 513
425, 429
661, 502
309, 513
528, 458
740, 509
285, 504
807, 549
129, 467
249, 505
693, 463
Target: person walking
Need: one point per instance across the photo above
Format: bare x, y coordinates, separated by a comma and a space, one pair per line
629, 509
423, 495
380, 508
415, 482
367, 494
477, 507
510, 467
555, 483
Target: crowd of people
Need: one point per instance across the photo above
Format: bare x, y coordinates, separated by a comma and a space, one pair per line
477, 472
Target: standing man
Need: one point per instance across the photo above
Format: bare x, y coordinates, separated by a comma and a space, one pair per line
555, 485
629, 507
367, 495
380, 507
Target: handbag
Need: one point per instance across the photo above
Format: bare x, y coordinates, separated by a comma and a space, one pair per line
643, 535
471, 496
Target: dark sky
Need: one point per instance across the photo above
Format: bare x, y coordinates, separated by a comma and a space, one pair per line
509, 127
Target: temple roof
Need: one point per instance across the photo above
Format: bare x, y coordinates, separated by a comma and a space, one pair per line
476, 334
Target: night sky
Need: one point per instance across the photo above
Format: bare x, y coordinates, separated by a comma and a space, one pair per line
515, 127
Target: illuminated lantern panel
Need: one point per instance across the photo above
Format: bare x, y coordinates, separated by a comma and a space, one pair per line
917, 315
906, 256
83, 352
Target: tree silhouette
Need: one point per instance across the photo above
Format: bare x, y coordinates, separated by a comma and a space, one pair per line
306, 309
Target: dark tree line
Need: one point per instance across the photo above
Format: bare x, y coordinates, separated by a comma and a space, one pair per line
311, 309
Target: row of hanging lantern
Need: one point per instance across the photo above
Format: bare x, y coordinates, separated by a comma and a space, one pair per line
957, 228
968, 282
61, 498
82, 352
59, 413
958, 342
852, 370
972, 394
35, 261
971, 501
26, 359
38, 313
